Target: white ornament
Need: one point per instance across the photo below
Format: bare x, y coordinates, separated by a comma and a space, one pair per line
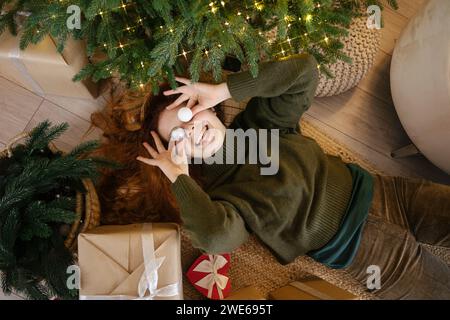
177, 134
185, 114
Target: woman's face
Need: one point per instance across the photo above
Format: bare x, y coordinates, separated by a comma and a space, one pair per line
204, 133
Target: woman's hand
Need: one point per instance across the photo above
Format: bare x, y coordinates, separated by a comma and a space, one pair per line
200, 96
172, 161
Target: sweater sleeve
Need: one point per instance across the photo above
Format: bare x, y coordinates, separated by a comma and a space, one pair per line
281, 93
214, 226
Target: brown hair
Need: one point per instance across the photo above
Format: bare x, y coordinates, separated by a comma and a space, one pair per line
136, 192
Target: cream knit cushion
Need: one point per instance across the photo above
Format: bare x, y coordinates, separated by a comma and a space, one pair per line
361, 45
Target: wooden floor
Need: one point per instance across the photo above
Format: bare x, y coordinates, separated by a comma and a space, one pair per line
363, 119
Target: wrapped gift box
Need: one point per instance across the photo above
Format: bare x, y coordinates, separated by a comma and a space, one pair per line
138, 261
41, 69
246, 293
311, 289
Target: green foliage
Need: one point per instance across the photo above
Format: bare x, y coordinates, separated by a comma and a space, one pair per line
37, 189
144, 41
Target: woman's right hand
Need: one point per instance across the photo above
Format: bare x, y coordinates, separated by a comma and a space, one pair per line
173, 161
200, 96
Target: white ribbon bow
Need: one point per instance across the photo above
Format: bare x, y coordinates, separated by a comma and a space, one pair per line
211, 266
149, 278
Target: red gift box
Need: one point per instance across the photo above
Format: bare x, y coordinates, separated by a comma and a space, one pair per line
209, 275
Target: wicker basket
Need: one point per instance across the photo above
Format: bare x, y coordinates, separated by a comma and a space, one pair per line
87, 205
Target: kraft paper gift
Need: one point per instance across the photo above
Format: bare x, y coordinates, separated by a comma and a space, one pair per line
132, 262
41, 69
313, 289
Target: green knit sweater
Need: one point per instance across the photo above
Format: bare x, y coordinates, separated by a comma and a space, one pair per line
295, 211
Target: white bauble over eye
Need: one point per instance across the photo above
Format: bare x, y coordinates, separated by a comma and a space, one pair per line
185, 114
177, 134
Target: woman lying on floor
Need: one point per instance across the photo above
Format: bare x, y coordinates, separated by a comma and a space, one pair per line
314, 204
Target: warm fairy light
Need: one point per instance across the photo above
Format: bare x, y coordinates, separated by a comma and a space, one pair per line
259, 6
326, 39
283, 52
239, 13
104, 45
318, 66
128, 28
206, 52
213, 9
160, 27
120, 45
171, 30
184, 53
219, 45
222, 3
247, 17
308, 17
142, 64
305, 34
226, 23
289, 40
211, 4
141, 85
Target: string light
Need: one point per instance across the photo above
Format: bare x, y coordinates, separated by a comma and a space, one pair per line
308, 17
259, 6
213, 8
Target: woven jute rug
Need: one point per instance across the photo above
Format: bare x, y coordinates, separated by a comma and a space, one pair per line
253, 264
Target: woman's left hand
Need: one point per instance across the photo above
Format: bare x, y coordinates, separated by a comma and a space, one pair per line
172, 161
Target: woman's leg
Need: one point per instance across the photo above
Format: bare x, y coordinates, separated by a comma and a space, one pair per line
421, 206
405, 212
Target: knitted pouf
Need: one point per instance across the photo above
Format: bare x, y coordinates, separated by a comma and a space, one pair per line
361, 45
